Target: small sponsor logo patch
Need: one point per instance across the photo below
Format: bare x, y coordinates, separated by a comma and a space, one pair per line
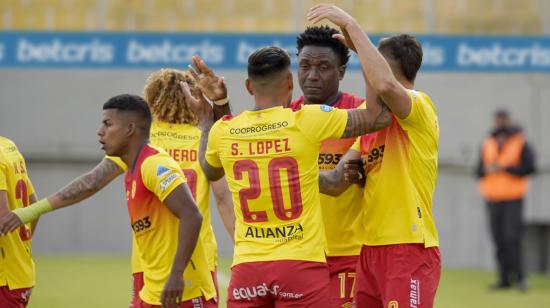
161, 170
326, 108
166, 182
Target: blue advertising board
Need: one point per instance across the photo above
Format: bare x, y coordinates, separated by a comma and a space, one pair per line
113, 50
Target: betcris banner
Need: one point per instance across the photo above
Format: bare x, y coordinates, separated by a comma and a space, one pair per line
112, 50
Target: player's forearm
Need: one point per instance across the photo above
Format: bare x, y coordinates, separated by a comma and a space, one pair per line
225, 209
86, 185
220, 111
379, 73
33, 199
224, 203
363, 121
212, 174
332, 182
188, 234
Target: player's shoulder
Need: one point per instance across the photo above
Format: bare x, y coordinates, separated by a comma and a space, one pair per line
156, 157
6, 142
297, 104
421, 99
349, 101
314, 108
7, 147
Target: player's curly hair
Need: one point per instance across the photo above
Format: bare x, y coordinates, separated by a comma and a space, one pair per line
322, 36
165, 97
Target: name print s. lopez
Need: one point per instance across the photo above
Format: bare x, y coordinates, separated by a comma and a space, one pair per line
260, 147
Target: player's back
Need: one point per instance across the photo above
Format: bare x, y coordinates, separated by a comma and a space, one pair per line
270, 159
181, 142
17, 267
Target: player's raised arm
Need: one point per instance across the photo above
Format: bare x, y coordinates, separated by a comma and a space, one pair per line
224, 202
181, 204
333, 182
79, 189
211, 86
376, 68
204, 112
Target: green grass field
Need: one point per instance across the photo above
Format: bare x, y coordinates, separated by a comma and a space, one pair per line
68, 282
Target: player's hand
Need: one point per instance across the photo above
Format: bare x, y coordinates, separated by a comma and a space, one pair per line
9, 222
172, 292
330, 12
199, 105
345, 39
354, 172
212, 86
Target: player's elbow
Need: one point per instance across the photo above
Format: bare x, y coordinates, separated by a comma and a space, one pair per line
386, 87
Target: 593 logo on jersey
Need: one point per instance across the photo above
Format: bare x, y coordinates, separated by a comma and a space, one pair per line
375, 155
141, 225
328, 159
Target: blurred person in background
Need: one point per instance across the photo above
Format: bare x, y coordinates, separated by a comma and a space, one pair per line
506, 159
16, 265
322, 61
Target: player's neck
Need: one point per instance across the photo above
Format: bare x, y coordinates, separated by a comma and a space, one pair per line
270, 101
132, 152
331, 100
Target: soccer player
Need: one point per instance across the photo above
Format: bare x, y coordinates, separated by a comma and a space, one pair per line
322, 63
269, 156
400, 262
16, 191
174, 130
160, 206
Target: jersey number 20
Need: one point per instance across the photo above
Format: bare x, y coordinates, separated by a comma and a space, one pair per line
274, 173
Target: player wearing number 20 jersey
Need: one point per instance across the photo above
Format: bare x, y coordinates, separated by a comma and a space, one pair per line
270, 159
16, 264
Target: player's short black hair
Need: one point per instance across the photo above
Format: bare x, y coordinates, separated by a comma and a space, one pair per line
406, 51
131, 103
267, 61
322, 36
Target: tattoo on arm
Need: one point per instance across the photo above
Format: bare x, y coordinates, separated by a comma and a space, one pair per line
361, 122
89, 183
332, 182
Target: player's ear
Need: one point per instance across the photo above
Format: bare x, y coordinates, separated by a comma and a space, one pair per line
248, 85
131, 128
290, 81
341, 71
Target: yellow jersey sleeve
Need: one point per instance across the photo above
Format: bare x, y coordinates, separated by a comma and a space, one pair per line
118, 162
423, 113
161, 175
212, 151
321, 122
